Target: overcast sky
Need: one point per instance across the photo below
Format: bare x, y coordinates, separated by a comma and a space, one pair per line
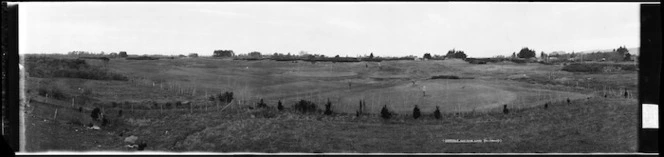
349, 28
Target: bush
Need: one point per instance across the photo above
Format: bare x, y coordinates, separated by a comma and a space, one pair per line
52, 92
178, 104
261, 104
95, 114
437, 113
104, 121
225, 97
385, 113
416, 112
305, 106
120, 113
328, 107
279, 106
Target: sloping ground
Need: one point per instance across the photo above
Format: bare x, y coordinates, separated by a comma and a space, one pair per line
596, 125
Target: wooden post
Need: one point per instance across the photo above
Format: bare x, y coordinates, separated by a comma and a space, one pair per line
56, 114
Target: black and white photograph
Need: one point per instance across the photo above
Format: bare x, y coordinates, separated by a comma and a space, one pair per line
329, 77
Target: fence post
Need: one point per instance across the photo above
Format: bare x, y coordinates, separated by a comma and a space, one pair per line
56, 114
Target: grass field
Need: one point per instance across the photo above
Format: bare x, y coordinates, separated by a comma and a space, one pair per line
472, 107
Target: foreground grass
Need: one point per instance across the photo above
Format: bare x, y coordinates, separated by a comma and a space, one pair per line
595, 125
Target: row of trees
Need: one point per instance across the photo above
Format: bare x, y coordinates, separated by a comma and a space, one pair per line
619, 54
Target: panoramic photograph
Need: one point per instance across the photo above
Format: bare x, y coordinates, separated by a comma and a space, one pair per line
329, 77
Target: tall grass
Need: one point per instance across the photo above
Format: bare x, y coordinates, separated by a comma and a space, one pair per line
46, 67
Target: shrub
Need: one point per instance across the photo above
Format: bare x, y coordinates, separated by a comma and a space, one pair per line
52, 92
120, 113
178, 104
95, 114
385, 113
104, 121
437, 113
416, 112
305, 106
261, 104
328, 107
279, 106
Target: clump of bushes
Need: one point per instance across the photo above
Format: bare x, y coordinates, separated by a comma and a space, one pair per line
45, 67
445, 77
52, 92
385, 113
226, 97
305, 106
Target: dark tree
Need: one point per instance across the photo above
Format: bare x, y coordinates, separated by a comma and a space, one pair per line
123, 54
416, 112
193, 55
628, 57
546, 105
120, 113
279, 106
568, 101
427, 56
505, 110
328, 107
255, 54
450, 53
371, 56
622, 50
95, 114
456, 54
437, 113
526, 53
460, 54
513, 54
385, 113
80, 109
223, 53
